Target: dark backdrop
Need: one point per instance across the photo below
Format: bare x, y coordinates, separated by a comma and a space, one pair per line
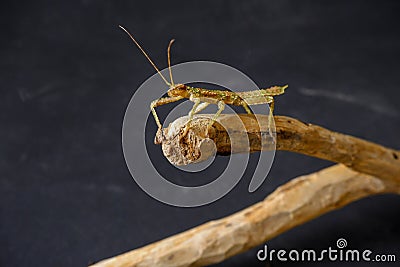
67, 75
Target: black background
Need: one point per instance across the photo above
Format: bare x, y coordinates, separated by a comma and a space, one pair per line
68, 73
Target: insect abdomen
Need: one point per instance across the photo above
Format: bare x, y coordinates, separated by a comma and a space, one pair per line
274, 90
262, 96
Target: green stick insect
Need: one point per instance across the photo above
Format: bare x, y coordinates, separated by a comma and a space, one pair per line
204, 97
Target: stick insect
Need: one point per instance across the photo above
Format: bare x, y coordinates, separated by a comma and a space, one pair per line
203, 97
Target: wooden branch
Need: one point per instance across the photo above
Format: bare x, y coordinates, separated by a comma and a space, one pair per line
292, 204
292, 135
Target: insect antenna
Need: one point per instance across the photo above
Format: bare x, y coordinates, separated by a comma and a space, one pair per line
169, 61
145, 54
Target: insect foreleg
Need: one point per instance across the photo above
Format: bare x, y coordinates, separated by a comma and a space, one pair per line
159, 102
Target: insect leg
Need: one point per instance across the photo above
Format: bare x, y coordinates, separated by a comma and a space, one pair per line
271, 116
221, 107
246, 107
197, 102
201, 107
159, 102
193, 110
272, 105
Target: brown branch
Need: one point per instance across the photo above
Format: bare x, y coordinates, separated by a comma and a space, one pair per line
292, 204
292, 135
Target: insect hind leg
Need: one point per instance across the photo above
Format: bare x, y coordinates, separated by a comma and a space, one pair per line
246, 107
271, 118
